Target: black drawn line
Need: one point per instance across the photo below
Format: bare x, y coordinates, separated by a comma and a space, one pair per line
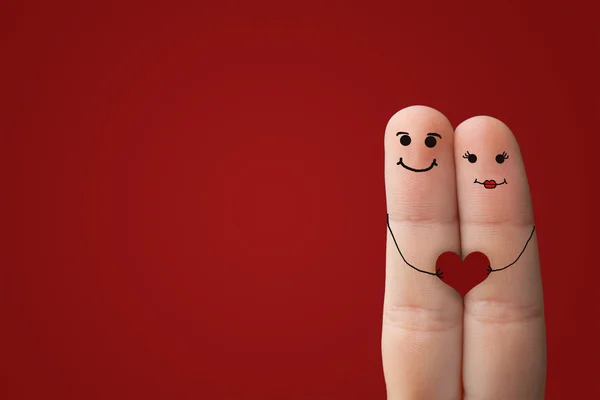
490, 269
437, 273
433, 164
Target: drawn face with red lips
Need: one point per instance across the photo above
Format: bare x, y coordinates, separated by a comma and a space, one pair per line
488, 183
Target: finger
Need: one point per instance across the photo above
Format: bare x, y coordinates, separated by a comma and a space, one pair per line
504, 334
422, 321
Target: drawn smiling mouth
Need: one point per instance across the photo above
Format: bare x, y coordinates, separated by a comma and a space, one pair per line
433, 164
490, 183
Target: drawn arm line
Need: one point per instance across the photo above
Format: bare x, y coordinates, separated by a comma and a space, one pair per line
400, 252
520, 254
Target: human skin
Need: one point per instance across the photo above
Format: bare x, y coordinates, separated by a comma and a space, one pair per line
434, 344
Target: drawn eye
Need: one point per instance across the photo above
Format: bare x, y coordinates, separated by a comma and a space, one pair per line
404, 139
501, 157
430, 141
471, 157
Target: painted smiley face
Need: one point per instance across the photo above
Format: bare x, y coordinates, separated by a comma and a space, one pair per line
488, 183
430, 141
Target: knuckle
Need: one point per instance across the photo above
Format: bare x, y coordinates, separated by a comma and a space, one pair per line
419, 318
503, 312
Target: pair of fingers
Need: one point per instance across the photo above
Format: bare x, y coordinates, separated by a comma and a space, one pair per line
462, 190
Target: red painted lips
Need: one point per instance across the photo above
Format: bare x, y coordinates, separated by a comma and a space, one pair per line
490, 184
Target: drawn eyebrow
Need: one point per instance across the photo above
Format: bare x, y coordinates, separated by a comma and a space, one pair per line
434, 134
401, 133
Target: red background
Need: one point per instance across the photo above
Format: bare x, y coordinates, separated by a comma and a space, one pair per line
192, 196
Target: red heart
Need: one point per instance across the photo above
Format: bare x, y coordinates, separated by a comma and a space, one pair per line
461, 275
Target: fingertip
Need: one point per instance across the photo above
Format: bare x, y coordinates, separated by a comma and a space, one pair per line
419, 165
492, 184
417, 115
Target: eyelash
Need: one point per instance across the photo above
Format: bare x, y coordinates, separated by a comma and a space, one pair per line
504, 154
